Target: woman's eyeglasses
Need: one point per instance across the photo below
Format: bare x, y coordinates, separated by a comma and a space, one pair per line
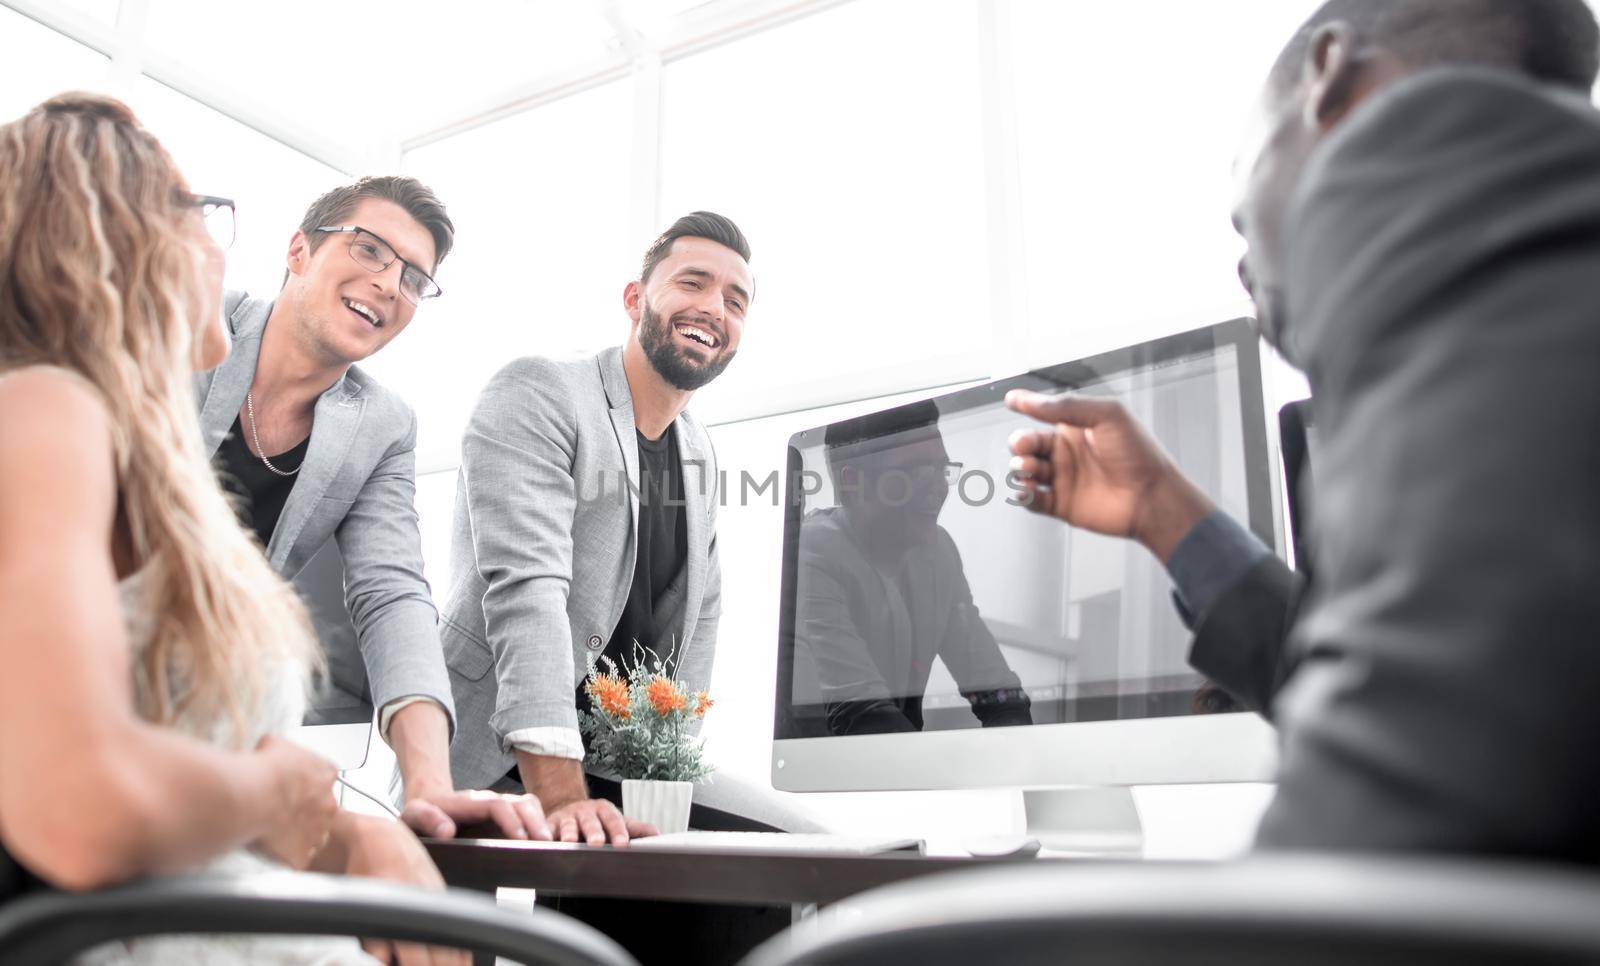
218, 214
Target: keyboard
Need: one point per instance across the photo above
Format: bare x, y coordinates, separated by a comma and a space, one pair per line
800, 843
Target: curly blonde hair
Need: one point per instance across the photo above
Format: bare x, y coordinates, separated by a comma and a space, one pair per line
98, 277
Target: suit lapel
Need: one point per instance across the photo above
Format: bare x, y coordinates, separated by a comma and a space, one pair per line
333, 428
698, 492
620, 398
699, 489
232, 380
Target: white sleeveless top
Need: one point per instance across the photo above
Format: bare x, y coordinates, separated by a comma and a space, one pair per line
282, 701
282, 707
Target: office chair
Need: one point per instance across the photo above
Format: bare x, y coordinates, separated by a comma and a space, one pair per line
1306, 910
52, 927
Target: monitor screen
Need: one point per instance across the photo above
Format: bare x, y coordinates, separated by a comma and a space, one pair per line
920, 595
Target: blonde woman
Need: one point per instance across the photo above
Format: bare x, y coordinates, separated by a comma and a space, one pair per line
149, 652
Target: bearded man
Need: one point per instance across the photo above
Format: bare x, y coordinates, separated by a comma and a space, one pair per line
585, 521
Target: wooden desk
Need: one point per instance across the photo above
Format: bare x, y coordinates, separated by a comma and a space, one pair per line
720, 905
686, 875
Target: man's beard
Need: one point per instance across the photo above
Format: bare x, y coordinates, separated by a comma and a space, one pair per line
670, 361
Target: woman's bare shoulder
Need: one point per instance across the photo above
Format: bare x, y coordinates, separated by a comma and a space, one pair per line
55, 438
50, 398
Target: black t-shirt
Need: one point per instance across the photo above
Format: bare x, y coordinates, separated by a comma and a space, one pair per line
263, 492
663, 548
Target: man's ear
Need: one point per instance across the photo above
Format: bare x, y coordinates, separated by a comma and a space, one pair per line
299, 256
1332, 74
633, 300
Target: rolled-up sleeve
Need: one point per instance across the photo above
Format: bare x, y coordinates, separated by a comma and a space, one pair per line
549, 742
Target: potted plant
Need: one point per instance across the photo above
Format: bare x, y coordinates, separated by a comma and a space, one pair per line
640, 729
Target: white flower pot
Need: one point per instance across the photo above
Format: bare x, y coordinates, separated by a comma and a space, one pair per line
663, 804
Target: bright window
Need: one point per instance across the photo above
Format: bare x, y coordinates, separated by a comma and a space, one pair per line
104, 11
36, 63
356, 71
542, 253
847, 147
271, 184
1128, 117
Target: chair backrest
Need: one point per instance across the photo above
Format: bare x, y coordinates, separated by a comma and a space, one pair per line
53, 927
1306, 910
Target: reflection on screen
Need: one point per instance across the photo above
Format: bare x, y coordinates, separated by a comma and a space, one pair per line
925, 598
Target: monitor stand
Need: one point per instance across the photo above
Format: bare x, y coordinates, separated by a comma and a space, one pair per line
1098, 821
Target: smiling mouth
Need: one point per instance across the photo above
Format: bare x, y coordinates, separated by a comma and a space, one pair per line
366, 314
697, 336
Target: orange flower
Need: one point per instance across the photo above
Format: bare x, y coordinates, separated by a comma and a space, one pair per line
702, 704
665, 696
612, 694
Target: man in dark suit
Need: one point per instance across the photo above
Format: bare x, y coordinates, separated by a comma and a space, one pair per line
882, 589
1423, 215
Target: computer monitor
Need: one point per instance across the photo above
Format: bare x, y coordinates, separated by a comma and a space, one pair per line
936, 634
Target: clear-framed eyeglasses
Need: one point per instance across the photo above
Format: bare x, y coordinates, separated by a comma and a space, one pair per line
375, 255
218, 214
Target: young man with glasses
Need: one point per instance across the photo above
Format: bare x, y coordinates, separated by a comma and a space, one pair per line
322, 458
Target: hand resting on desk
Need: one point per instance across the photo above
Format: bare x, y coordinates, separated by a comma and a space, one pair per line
574, 816
594, 820
439, 815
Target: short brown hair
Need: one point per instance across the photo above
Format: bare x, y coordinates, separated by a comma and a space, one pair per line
700, 224
409, 193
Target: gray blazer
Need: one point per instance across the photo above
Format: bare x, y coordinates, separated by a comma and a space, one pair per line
1436, 683
543, 550
354, 498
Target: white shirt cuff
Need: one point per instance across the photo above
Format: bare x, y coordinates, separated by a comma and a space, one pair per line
550, 741
389, 710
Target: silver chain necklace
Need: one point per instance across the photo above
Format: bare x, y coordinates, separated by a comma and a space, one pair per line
261, 454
